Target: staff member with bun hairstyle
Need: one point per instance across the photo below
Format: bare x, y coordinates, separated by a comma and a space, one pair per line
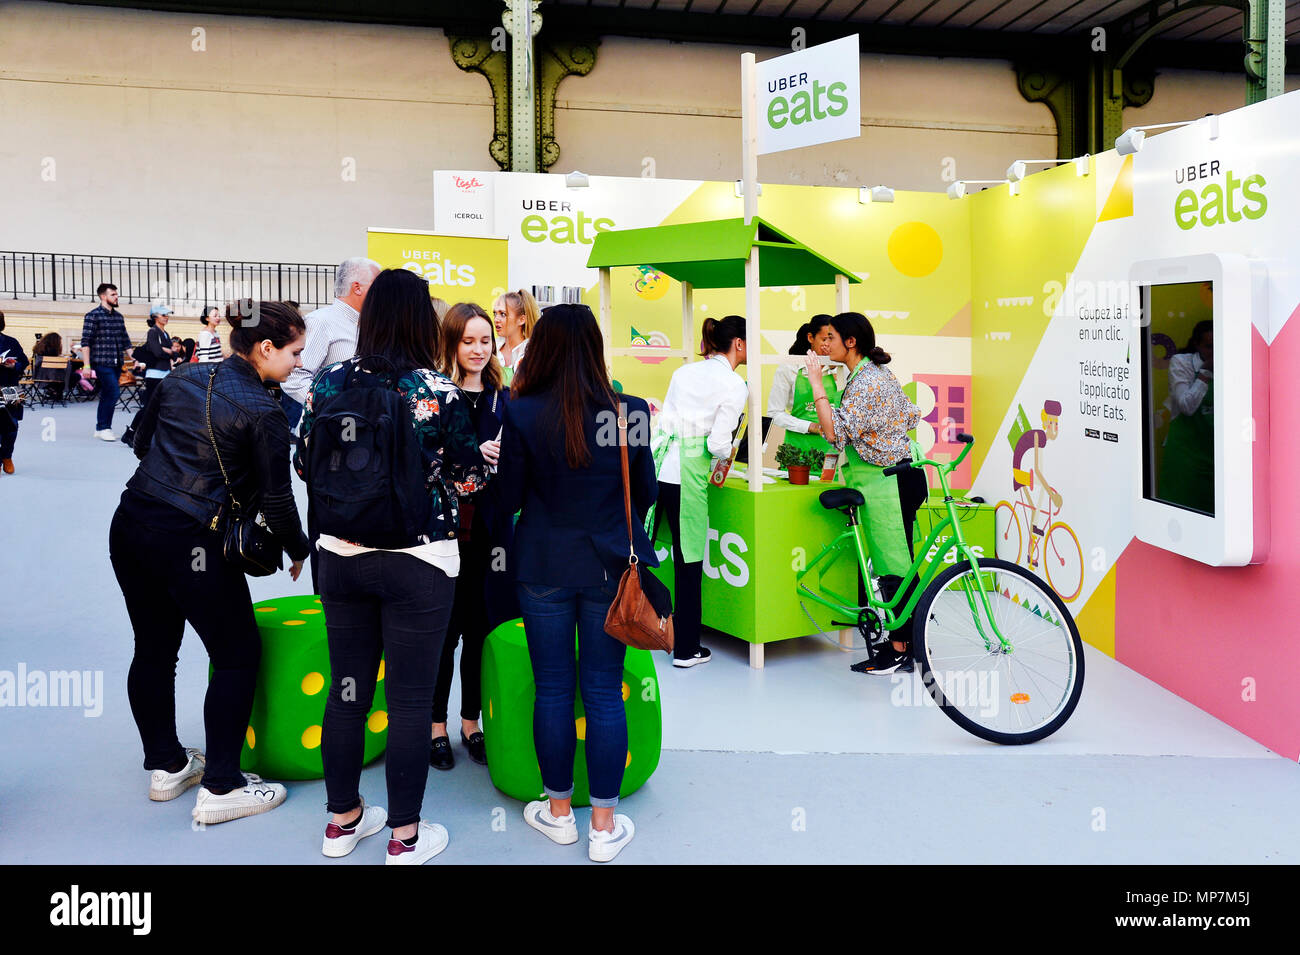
873, 419
790, 403
701, 411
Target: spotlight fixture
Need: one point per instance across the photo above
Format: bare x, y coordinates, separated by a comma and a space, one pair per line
740, 189
1130, 141
958, 189
875, 194
1017, 170
576, 180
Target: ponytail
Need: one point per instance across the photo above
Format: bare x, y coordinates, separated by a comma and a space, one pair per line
855, 325
254, 322
719, 334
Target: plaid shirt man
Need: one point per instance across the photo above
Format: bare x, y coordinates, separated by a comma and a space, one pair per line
104, 332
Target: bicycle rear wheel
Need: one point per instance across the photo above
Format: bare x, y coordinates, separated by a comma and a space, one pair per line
1014, 696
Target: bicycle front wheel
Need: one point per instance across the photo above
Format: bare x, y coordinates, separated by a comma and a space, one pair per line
1012, 695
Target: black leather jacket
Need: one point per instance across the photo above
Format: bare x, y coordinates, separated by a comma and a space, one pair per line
179, 466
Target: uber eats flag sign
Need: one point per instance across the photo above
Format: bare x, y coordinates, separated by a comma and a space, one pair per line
809, 97
457, 268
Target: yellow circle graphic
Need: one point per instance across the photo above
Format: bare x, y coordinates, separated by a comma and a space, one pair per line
251, 738
311, 737
265, 609
581, 725
378, 721
627, 691
295, 623
915, 249
312, 683
629, 760
313, 610
381, 671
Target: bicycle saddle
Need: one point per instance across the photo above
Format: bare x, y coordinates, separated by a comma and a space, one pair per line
840, 497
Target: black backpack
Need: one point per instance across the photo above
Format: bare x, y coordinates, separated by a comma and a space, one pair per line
364, 468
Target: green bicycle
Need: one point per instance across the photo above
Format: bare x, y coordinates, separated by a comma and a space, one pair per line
999, 652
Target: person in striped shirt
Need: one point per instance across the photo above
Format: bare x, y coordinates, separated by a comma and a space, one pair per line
209, 347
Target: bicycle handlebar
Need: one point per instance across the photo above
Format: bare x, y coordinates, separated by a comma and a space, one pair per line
946, 466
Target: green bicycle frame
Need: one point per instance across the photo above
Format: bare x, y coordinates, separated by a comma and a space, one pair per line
891, 614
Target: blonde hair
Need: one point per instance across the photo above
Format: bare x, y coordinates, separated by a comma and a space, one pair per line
440, 307
452, 331
522, 301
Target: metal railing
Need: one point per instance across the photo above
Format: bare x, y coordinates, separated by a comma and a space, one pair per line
184, 285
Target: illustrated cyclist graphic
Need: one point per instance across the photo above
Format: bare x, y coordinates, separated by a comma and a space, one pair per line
1049, 542
1031, 482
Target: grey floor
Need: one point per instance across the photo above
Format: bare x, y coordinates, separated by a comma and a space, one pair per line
798, 762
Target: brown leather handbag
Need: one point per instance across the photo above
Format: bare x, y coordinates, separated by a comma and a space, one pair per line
641, 615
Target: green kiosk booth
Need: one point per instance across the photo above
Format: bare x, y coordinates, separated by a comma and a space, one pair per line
760, 533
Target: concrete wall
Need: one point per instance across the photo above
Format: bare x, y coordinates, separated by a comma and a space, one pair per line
121, 138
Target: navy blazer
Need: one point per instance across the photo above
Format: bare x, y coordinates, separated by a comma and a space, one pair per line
572, 531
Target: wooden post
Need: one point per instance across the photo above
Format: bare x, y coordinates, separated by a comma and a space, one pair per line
753, 327
841, 293
606, 320
688, 322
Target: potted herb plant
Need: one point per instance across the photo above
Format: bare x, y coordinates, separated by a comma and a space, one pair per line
797, 462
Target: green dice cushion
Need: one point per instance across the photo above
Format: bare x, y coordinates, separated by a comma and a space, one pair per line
283, 736
508, 694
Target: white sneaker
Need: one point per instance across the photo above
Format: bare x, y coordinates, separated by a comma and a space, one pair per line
562, 830
254, 797
339, 841
432, 839
603, 846
106, 435
164, 785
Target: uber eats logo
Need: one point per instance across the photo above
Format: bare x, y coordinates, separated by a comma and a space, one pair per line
570, 226
1227, 199
803, 103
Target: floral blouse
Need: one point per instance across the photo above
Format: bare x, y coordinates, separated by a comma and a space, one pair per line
453, 464
874, 415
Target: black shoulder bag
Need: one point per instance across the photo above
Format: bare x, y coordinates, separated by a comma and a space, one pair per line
247, 542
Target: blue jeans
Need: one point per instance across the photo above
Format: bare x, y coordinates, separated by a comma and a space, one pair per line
109, 389
550, 616
292, 411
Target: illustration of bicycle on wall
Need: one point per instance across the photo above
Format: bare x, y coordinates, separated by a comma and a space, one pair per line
1051, 547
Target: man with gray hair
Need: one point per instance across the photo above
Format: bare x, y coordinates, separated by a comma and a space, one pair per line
331, 332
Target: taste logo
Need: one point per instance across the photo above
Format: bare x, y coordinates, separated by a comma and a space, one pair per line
472, 184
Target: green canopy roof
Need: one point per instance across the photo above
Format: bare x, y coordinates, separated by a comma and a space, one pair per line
713, 254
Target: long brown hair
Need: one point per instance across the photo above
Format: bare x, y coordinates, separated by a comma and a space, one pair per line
566, 362
453, 330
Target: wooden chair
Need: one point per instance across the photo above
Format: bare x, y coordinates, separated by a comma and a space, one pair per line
51, 380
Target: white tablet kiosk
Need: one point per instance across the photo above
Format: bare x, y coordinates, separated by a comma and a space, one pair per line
1203, 385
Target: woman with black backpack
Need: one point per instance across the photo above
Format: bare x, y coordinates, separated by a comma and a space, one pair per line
386, 447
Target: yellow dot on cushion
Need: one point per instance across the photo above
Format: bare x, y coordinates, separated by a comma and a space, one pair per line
581, 725
312, 683
519, 624
311, 737
250, 737
629, 760
265, 609
318, 600
310, 611
378, 721
489, 708
627, 691
381, 671
295, 623
915, 249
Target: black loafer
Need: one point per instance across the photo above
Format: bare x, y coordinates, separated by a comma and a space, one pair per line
474, 743
441, 757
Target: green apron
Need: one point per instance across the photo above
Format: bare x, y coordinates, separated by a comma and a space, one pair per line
804, 408
1187, 468
696, 464
882, 515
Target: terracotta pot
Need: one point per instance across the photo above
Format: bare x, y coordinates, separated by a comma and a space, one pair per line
798, 474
